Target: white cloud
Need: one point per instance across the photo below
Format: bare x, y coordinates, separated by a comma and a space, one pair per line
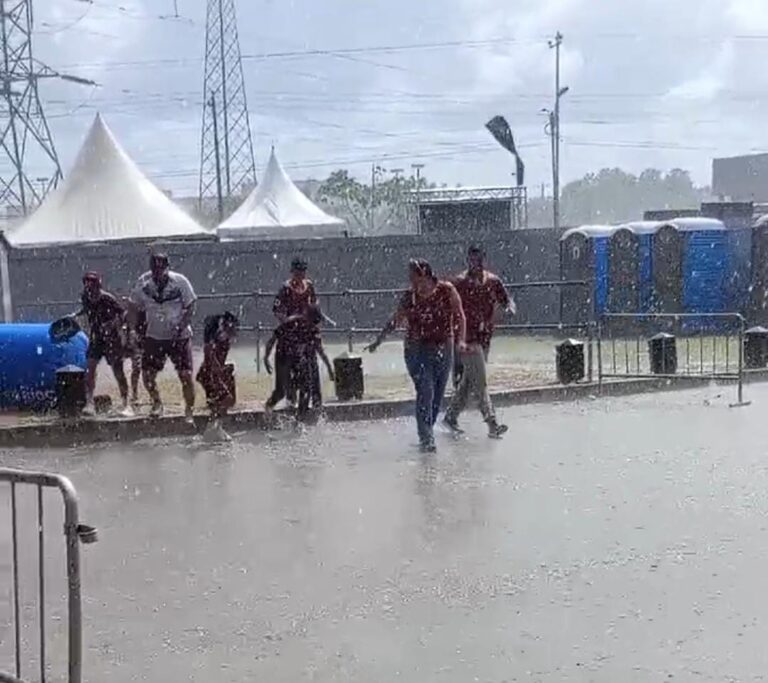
684, 75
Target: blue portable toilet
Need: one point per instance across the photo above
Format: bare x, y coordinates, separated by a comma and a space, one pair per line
29, 360
645, 232
584, 256
706, 271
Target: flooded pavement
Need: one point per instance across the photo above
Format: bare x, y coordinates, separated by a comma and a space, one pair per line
616, 540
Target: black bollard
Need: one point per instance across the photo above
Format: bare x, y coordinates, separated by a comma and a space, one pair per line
662, 352
755, 348
70, 390
350, 383
569, 361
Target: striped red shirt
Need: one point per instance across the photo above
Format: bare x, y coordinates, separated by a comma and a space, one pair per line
430, 318
479, 298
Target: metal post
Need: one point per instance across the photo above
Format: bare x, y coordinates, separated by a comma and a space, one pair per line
41, 578
258, 348
555, 174
740, 390
555, 124
417, 168
351, 339
71, 523
15, 560
371, 219
599, 358
217, 154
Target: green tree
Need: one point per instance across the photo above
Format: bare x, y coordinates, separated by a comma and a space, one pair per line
370, 209
612, 195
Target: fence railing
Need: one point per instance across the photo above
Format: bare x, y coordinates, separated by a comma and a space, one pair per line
257, 320
706, 346
74, 534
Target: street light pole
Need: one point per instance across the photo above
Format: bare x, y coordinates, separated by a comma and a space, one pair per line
555, 131
417, 168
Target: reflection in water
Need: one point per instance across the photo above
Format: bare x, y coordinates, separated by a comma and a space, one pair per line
340, 554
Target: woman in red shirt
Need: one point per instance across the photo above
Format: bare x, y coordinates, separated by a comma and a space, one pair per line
431, 310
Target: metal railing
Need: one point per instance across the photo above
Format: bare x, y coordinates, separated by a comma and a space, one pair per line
252, 320
74, 534
712, 346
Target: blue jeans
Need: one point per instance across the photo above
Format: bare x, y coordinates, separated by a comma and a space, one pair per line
429, 366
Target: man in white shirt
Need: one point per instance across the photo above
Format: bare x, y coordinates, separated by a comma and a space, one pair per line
168, 300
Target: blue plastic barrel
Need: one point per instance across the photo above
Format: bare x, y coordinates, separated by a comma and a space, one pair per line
28, 364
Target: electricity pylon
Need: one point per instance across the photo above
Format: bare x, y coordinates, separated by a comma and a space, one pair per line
29, 165
227, 166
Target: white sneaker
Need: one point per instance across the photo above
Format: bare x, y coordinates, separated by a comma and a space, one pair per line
90, 409
126, 411
189, 416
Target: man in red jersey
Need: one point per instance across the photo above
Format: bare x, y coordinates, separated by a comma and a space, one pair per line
481, 293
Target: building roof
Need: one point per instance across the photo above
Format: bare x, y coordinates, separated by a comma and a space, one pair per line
277, 209
104, 198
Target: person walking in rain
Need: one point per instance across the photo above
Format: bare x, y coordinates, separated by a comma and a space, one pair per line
215, 375
481, 293
168, 300
106, 316
302, 344
293, 299
432, 311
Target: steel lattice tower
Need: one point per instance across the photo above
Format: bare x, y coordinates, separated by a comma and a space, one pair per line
227, 164
25, 139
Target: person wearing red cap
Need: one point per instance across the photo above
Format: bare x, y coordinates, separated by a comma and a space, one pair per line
106, 316
168, 300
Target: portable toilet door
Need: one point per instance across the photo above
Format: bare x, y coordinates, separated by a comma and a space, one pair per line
739, 268
623, 271
759, 272
667, 258
576, 263
705, 275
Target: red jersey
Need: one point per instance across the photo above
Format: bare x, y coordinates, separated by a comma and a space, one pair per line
430, 318
290, 302
479, 298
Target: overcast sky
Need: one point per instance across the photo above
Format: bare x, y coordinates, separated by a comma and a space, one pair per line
659, 83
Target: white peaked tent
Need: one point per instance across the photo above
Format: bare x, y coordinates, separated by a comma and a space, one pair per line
104, 198
277, 209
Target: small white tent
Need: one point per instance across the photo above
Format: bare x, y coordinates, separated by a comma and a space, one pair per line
104, 198
277, 209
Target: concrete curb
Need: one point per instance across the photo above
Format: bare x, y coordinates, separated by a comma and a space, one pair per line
69, 433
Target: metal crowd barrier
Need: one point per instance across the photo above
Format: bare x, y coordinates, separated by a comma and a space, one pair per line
74, 534
712, 346
350, 334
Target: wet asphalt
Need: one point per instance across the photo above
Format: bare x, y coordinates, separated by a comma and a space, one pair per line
607, 540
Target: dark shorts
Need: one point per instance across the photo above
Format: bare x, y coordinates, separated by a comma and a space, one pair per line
157, 351
109, 348
135, 350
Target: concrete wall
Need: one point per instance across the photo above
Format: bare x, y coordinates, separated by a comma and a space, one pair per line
45, 283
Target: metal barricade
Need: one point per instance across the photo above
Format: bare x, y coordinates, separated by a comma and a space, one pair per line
712, 346
74, 534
